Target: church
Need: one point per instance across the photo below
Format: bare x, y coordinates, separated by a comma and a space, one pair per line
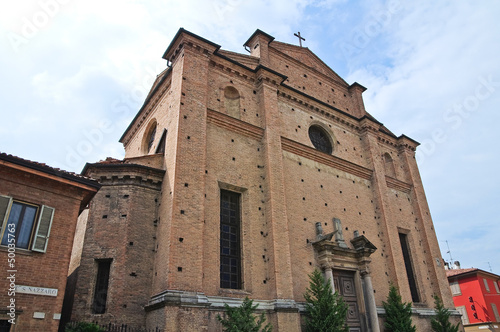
242, 174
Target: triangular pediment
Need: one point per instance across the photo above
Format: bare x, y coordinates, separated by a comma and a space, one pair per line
305, 56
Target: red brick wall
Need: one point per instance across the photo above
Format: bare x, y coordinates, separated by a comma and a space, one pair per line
121, 226
47, 269
265, 153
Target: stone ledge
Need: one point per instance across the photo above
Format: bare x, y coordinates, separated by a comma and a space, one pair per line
420, 311
196, 299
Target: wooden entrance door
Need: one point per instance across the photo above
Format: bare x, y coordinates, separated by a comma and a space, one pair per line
344, 284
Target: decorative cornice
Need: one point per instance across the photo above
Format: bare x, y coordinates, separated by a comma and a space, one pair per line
135, 180
269, 75
369, 125
184, 36
196, 299
126, 174
404, 142
397, 184
321, 108
241, 127
332, 255
386, 139
420, 311
357, 86
325, 159
245, 73
149, 105
362, 248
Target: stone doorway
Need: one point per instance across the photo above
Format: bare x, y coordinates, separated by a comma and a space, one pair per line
345, 285
347, 270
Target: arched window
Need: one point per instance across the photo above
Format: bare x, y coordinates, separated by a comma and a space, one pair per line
320, 139
389, 165
149, 137
232, 101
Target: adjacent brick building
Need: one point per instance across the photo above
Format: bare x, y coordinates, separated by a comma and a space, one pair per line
476, 295
39, 207
242, 174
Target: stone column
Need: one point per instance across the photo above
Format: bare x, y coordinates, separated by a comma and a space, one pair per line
371, 307
329, 277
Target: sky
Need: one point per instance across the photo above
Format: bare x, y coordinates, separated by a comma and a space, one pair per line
74, 73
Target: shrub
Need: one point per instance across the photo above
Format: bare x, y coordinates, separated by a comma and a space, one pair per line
325, 311
242, 318
84, 327
441, 323
398, 314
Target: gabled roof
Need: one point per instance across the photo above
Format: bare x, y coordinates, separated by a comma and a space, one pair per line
253, 64
308, 58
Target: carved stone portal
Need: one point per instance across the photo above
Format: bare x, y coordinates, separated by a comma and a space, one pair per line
337, 259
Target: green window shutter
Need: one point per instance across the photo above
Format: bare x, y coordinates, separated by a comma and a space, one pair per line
5, 204
41, 238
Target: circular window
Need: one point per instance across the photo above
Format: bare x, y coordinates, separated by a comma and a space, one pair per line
320, 139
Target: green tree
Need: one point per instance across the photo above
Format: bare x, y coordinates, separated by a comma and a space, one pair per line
398, 314
242, 318
441, 323
325, 311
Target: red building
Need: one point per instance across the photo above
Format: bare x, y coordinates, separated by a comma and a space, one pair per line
476, 294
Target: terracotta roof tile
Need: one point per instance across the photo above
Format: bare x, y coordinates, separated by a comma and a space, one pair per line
455, 272
48, 169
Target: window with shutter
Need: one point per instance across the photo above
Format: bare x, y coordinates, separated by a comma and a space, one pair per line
24, 225
495, 312
5, 203
455, 288
486, 285
43, 229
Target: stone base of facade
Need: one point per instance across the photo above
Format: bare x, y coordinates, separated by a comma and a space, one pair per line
191, 311
495, 327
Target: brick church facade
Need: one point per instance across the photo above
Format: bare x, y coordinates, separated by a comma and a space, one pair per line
242, 174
